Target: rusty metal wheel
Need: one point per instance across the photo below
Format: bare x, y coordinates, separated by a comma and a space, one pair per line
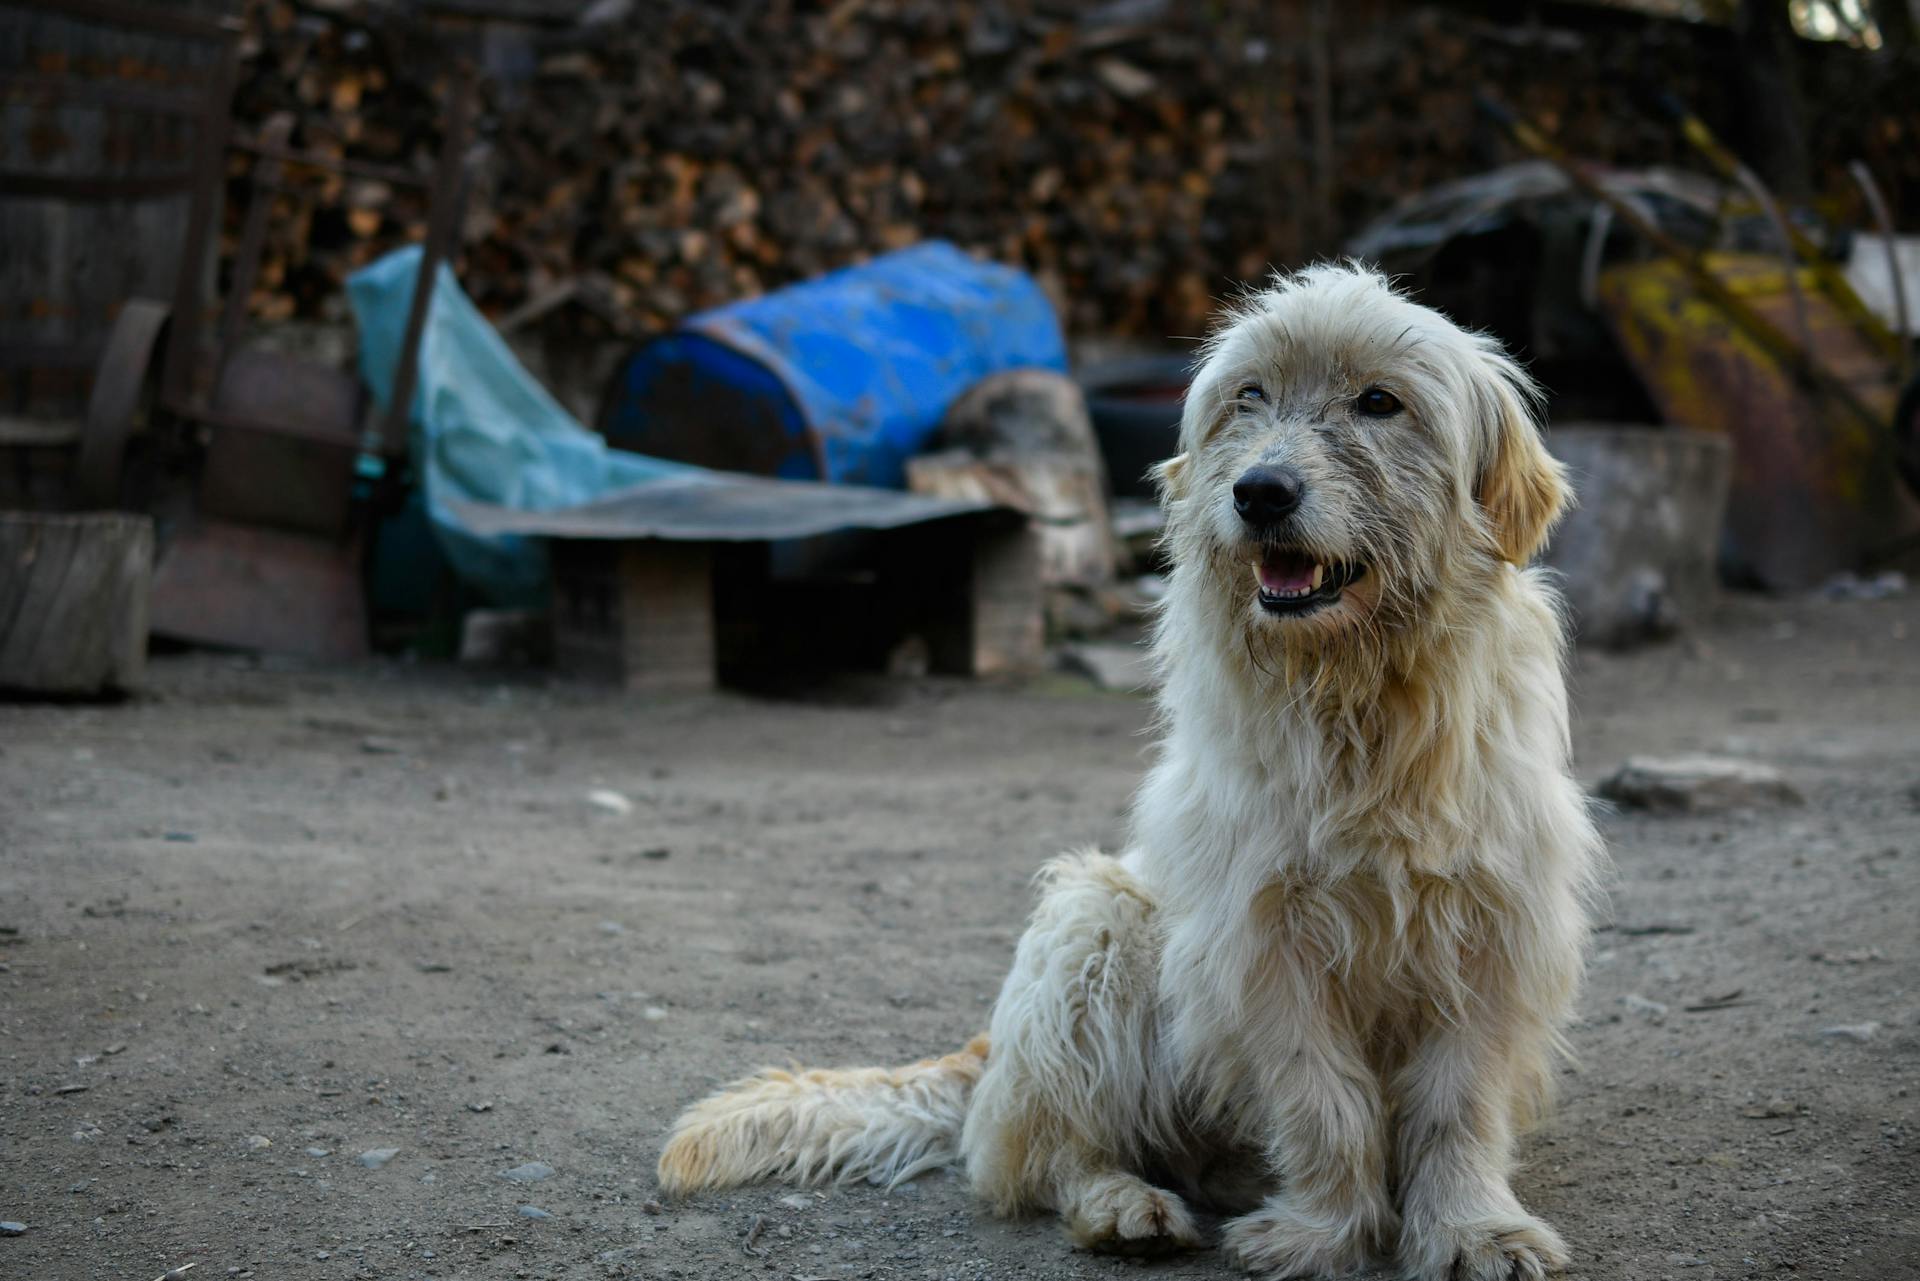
124, 386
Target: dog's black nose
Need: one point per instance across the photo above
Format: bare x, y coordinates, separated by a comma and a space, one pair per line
1267, 495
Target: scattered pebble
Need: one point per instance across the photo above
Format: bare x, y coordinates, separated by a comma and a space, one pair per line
533, 1212
653, 1013
1851, 586
374, 1158
479, 1107
621, 1254
257, 1143
1109, 666
612, 802
8, 1228
797, 1202
1654, 1010
612, 927
317, 1153
1851, 1031
69, 1089
184, 838
531, 1172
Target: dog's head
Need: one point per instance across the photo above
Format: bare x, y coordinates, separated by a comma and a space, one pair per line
1347, 455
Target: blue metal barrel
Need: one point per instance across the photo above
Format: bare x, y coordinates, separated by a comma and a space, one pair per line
840, 378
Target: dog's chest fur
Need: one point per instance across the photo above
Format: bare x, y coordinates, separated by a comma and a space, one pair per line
1381, 856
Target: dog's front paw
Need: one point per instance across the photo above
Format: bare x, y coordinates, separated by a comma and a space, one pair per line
1279, 1242
1516, 1247
1126, 1215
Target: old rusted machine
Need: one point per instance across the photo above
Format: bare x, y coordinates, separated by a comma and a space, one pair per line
263, 544
1776, 351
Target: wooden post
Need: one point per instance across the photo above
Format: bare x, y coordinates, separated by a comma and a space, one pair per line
634, 613
1008, 604
997, 626
73, 601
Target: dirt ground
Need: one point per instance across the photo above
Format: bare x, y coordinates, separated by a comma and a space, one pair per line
269, 918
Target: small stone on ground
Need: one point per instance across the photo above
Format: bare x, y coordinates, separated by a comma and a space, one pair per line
1113, 667
1696, 784
531, 1172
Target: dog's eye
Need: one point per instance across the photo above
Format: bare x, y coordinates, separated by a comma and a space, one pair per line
1377, 402
1253, 391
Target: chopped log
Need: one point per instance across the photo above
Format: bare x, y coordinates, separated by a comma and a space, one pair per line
1065, 505
74, 592
1023, 439
693, 154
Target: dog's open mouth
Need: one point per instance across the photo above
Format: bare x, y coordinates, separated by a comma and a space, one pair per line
1297, 582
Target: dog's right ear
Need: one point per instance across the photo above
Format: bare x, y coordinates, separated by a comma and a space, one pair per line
1170, 478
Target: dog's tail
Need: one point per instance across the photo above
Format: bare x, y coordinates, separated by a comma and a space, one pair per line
884, 1125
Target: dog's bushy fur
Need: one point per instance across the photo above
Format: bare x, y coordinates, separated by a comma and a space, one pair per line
1323, 987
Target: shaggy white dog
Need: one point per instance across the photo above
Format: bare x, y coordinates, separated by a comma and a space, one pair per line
1323, 988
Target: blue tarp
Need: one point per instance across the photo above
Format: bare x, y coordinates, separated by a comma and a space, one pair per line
483, 430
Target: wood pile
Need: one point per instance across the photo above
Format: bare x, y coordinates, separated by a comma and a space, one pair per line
1138, 156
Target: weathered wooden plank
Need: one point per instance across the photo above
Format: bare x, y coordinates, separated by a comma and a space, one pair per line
68, 265
74, 593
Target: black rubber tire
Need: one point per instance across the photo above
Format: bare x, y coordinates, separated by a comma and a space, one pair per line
1906, 436
1135, 432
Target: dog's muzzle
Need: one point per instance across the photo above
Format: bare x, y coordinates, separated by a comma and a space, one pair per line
1265, 497
1293, 579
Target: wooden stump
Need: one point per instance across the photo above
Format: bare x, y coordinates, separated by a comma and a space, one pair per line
1637, 552
74, 591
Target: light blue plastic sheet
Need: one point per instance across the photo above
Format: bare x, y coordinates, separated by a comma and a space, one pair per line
483, 430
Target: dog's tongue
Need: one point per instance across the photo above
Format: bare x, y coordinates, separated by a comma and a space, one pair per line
1285, 572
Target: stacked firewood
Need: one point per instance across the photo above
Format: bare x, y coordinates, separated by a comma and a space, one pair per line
662, 156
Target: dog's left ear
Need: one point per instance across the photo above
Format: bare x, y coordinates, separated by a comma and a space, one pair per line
1170, 478
1521, 487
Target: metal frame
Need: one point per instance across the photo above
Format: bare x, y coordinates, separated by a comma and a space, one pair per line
1800, 361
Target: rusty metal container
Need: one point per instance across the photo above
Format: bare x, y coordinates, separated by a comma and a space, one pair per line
1815, 490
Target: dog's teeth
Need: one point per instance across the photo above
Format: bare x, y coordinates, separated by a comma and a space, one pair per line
1319, 572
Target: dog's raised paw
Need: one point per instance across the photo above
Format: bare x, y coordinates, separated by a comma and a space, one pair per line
1121, 1214
1280, 1243
1508, 1249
